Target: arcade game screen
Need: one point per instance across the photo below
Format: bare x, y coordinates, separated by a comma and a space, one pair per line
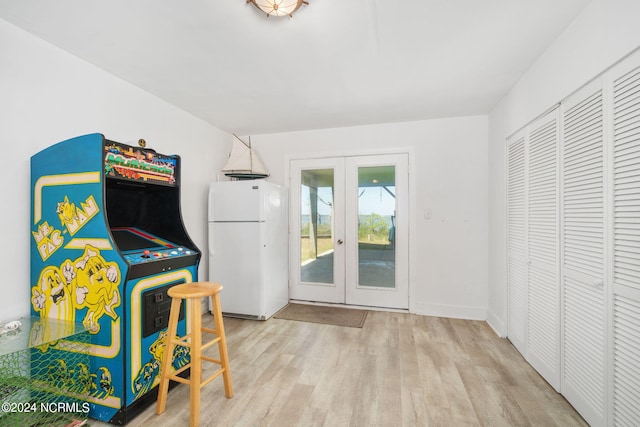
129, 241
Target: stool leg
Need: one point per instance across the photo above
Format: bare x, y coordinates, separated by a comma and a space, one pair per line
222, 346
167, 357
196, 361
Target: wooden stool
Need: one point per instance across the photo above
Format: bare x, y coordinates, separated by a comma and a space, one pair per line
194, 292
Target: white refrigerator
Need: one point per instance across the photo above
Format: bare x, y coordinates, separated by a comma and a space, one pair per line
248, 246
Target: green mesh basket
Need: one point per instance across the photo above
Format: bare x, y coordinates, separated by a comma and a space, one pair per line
43, 379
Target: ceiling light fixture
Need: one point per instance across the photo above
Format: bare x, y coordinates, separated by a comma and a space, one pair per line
278, 7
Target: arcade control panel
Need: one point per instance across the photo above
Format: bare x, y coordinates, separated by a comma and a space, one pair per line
153, 254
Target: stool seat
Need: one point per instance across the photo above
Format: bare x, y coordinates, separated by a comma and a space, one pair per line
194, 290
193, 293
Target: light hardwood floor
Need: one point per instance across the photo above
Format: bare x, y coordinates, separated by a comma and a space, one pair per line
398, 370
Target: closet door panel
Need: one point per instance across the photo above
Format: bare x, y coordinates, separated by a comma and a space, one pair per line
543, 328
625, 85
626, 176
584, 311
516, 242
626, 318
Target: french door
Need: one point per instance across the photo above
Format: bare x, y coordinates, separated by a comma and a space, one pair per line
349, 230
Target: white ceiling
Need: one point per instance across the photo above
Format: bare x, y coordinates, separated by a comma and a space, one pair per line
335, 63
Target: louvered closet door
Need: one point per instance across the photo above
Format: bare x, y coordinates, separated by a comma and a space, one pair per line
543, 337
583, 255
625, 80
516, 242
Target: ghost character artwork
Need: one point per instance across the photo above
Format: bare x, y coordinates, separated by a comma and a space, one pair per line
88, 282
52, 296
107, 242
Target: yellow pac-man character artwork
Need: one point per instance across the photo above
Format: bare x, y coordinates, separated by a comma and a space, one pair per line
89, 282
66, 211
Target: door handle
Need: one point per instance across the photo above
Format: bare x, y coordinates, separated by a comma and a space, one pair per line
340, 241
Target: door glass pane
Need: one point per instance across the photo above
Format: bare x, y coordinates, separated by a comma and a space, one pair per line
316, 226
376, 226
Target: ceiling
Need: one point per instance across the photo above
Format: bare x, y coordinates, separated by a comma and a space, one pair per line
335, 63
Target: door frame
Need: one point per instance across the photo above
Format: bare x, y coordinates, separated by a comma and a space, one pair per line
411, 212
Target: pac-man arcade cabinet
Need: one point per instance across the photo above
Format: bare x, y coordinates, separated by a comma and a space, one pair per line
107, 241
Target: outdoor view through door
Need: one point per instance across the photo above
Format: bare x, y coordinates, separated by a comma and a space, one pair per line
316, 226
376, 226
349, 233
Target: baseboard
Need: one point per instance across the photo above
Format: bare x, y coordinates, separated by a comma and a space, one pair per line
498, 326
454, 312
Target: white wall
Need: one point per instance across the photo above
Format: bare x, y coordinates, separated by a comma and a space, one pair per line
47, 96
603, 33
448, 163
